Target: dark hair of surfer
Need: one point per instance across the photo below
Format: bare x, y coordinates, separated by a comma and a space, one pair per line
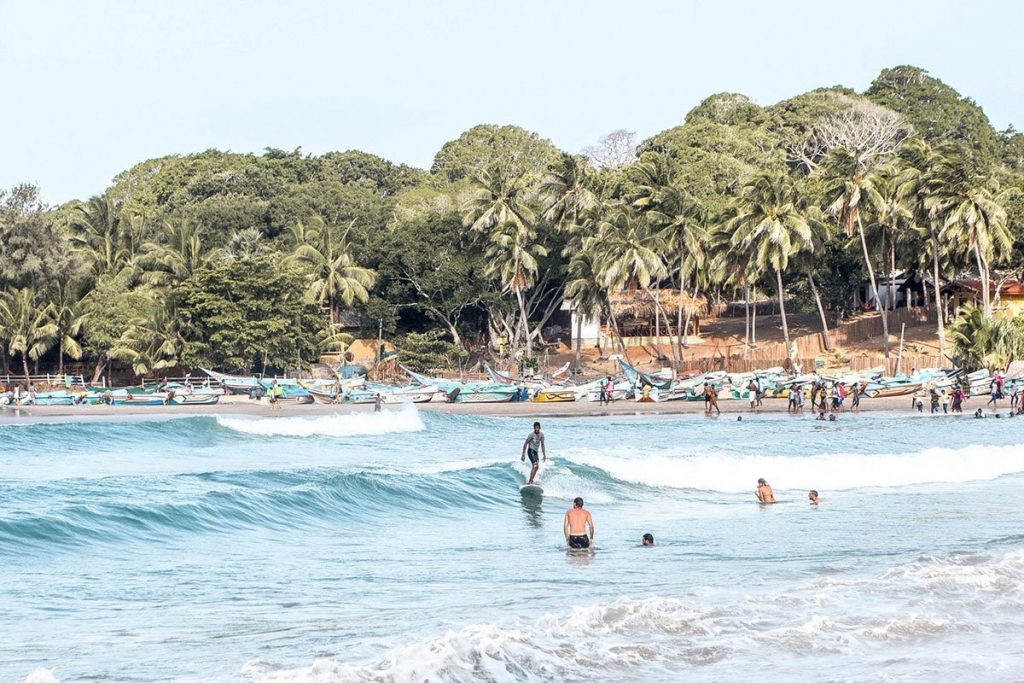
578, 502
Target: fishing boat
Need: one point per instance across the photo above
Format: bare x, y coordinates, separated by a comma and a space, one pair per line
482, 395
554, 396
891, 390
55, 398
195, 399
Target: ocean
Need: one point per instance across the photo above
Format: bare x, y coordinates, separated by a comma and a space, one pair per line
397, 547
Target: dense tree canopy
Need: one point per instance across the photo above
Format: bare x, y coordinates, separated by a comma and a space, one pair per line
249, 262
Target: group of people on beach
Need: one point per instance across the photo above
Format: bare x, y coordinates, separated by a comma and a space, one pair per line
578, 523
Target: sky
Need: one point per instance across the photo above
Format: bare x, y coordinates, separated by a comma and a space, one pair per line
92, 87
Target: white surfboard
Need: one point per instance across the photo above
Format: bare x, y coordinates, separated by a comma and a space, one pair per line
531, 490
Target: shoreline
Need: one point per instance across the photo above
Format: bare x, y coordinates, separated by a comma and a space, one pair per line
241, 406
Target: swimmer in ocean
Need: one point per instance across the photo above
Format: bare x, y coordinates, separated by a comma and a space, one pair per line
575, 526
648, 539
764, 492
813, 497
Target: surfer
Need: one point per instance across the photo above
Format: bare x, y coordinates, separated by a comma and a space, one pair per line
534, 446
813, 497
575, 526
764, 492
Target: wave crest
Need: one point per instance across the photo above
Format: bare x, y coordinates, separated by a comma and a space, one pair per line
405, 419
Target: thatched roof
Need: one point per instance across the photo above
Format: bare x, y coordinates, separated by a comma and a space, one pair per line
640, 304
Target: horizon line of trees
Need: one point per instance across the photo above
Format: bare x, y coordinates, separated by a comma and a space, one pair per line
249, 263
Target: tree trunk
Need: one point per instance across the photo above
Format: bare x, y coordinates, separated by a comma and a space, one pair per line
672, 347
98, 372
680, 330
983, 278
753, 324
939, 317
618, 335
874, 289
821, 312
746, 322
579, 342
60, 357
523, 325
892, 274
782, 307
689, 312
24, 366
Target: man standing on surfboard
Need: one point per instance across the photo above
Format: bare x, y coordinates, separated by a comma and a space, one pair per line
533, 446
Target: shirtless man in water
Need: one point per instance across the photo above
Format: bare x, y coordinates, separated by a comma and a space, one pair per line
764, 492
575, 526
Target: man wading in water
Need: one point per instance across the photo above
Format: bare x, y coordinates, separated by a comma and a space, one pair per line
575, 526
533, 446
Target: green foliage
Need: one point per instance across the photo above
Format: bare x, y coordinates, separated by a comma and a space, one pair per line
111, 307
427, 351
981, 341
516, 151
248, 315
937, 111
32, 252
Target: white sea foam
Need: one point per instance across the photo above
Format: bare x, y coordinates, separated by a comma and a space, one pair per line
659, 638
833, 472
404, 419
41, 675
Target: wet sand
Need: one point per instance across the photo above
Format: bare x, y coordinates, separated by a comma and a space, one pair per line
240, 405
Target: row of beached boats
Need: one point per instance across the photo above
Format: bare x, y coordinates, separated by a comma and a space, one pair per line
629, 383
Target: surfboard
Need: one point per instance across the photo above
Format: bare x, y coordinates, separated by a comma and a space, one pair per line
531, 490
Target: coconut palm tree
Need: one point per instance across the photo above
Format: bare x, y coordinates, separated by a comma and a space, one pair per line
588, 296
338, 281
891, 220
28, 329
976, 224
109, 241
772, 223
176, 255
65, 309
511, 256
245, 245
850, 191
499, 199
150, 343
568, 195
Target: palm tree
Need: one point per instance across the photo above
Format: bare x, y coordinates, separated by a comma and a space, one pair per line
244, 245
177, 255
109, 241
584, 289
976, 222
850, 190
28, 329
338, 281
512, 260
772, 223
150, 343
682, 225
500, 210
66, 312
567, 193
892, 217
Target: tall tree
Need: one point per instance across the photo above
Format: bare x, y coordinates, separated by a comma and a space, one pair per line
26, 326
338, 281
850, 191
773, 223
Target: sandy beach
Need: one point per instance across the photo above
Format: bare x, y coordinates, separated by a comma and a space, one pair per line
240, 405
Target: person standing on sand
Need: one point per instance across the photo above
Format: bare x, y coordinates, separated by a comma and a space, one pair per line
958, 401
855, 398
575, 526
995, 397
764, 492
534, 446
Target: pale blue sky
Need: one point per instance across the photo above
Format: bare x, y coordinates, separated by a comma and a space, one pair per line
92, 87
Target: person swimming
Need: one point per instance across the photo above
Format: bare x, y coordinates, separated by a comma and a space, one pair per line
764, 492
575, 526
647, 539
812, 496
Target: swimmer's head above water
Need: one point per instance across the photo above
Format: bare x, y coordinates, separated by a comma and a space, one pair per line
647, 539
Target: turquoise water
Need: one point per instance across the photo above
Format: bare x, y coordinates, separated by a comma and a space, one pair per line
397, 547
